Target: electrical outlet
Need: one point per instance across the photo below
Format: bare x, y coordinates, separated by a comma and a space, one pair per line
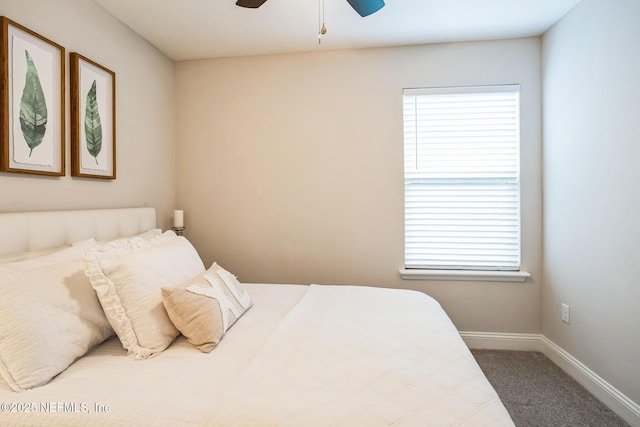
565, 313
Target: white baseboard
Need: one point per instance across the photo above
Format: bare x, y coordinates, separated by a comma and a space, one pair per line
500, 341
619, 403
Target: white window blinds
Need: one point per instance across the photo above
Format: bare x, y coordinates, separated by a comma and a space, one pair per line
462, 187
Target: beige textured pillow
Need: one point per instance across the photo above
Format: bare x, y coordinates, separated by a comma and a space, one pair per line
128, 275
203, 309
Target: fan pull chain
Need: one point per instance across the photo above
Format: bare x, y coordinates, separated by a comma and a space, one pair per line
322, 30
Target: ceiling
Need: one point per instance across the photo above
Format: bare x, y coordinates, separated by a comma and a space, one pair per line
194, 29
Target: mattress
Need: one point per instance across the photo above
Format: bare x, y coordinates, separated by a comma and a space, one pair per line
302, 355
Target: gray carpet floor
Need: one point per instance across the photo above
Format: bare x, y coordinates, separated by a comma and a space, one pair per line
537, 393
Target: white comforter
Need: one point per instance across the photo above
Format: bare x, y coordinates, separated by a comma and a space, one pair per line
302, 356
354, 356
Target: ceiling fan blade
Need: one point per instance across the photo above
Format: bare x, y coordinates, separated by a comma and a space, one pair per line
253, 4
366, 7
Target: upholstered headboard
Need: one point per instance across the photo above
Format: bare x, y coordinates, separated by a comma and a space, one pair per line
27, 232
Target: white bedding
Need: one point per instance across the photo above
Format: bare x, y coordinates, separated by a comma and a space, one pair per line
363, 357
301, 356
177, 387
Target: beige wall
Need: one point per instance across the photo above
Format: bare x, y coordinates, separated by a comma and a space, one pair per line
145, 114
290, 167
592, 188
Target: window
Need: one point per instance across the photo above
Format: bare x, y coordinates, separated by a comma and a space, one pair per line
462, 178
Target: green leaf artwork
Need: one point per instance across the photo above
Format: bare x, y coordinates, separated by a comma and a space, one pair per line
92, 124
33, 107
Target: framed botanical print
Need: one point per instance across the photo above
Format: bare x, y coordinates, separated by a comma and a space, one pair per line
32, 102
93, 119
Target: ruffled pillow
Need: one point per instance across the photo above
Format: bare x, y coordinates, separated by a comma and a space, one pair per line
128, 275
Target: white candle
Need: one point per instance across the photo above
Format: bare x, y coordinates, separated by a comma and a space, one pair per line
178, 219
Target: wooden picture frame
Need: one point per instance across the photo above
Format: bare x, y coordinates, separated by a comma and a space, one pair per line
32, 102
93, 119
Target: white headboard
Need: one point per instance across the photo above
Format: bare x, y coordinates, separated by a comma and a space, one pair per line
25, 232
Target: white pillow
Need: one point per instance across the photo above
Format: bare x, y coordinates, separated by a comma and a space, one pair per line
49, 251
146, 235
43, 256
28, 255
49, 316
150, 234
128, 275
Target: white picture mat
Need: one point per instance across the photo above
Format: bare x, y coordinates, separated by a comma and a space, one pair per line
87, 74
46, 156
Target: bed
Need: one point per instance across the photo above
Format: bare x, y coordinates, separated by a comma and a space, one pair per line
275, 355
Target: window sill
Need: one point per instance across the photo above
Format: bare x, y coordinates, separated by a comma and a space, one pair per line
464, 275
